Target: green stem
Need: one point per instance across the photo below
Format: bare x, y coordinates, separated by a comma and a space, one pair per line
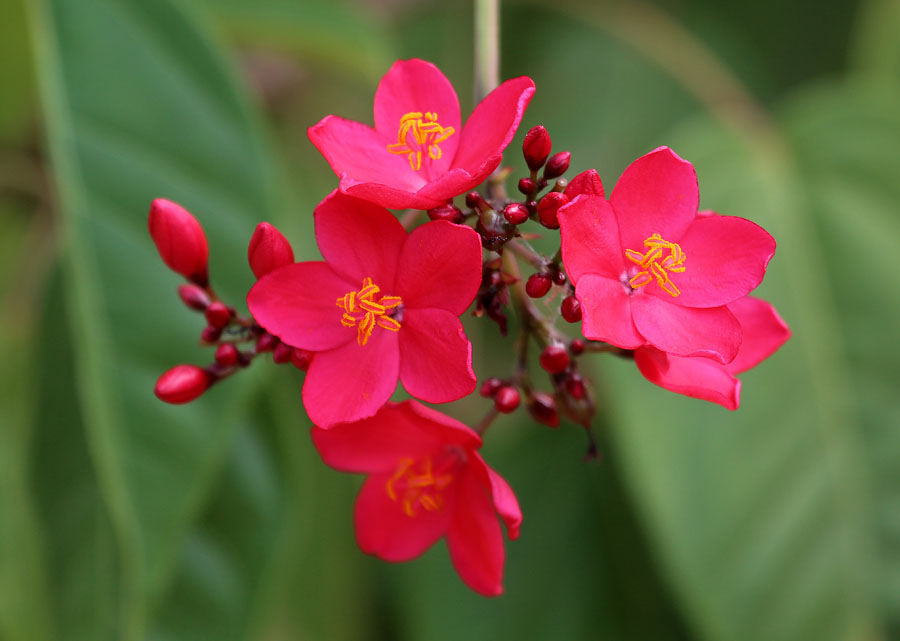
487, 47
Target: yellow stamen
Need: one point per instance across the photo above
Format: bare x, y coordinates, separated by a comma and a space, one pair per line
415, 486
655, 266
419, 132
363, 311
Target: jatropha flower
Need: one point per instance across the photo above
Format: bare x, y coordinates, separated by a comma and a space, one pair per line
418, 155
763, 332
648, 269
383, 305
425, 481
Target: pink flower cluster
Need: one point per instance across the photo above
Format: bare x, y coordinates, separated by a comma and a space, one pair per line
645, 272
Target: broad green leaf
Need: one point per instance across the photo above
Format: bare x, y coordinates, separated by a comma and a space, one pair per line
139, 103
16, 77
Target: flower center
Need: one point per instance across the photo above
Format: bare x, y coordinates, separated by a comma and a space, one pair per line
657, 263
419, 134
364, 309
419, 485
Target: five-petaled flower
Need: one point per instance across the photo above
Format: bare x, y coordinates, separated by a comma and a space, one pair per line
426, 480
648, 269
699, 377
418, 155
383, 305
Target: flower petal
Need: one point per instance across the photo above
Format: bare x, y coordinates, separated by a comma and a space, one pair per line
725, 258
764, 332
713, 332
359, 240
474, 539
418, 86
504, 499
606, 312
360, 153
386, 531
590, 238
697, 377
657, 194
435, 356
297, 303
493, 124
458, 181
353, 381
447, 430
587, 182
440, 267
387, 196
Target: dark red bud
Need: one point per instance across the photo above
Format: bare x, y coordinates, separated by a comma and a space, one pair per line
210, 334
576, 347
526, 185
549, 206
182, 384
218, 314
507, 399
536, 147
227, 355
515, 213
193, 296
557, 165
450, 213
542, 408
555, 359
475, 201
266, 343
571, 311
282, 353
180, 240
532, 206
268, 250
490, 386
301, 358
559, 277
538, 285
575, 387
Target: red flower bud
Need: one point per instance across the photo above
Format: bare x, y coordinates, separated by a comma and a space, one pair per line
557, 165
526, 185
475, 201
282, 353
210, 334
193, 296
536, 147
268, 250
549, 206
180, 240
182, 384
575, 387
450, 213
576, 347
218, 314
571, 311
515, 213
559, 278
302, 358
266, 343
490, 386
507, 399
227, 355
555, 359
538, 285
542, 408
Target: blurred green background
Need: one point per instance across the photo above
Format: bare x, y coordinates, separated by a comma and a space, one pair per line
124, 518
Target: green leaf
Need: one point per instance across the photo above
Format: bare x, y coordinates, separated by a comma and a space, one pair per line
139, 103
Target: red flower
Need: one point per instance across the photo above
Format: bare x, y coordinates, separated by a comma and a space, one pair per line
180, 240
699, 377
383, 305
418, 155
648, 269
426, 480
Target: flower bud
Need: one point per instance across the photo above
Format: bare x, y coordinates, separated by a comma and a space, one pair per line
538, 285
451, 213
268, 250
180, 240
536, 147
193, 297
559, 277
575, 387
210, 334
526, 185
506, 399
515, 213
476, 202
549, 206
571, 311
557, 165
218, 314
302, 358
576, 347
266, 343
542, 408
490, 386
227, 355
182, 384
555, 359
282, 353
